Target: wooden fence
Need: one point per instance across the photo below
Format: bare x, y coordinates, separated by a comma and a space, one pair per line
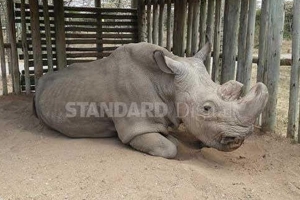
55, 36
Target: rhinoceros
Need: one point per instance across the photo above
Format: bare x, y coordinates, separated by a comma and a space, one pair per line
140, 73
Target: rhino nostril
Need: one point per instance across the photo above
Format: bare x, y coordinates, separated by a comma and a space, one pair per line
230, 140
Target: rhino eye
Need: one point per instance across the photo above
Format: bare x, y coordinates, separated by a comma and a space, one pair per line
207, 108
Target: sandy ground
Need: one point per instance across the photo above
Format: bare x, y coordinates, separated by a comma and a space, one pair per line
37, 163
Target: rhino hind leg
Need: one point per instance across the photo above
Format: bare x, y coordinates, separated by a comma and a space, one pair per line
154, 144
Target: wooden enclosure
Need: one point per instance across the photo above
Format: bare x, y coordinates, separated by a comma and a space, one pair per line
75, 37
54, 36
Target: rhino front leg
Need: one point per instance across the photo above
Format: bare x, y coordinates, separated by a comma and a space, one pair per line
154, 144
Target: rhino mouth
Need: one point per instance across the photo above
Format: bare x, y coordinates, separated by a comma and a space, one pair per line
230, 143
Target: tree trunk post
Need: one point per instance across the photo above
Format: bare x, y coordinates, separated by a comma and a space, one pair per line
217, 43
195, 31
203, 18
155, 22
232, 10
249, 45
161, 22
13, 46
141, 21
179, 27
48, 35
25, 49
273, 50
3, 64
189, 28
209, 30
59, 21
36, 40
242, 40
149, 22
295, 72
169, 26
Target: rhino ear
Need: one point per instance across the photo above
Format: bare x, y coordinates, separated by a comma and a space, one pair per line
166, 64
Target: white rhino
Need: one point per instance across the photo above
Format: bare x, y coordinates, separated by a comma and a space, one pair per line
145, 73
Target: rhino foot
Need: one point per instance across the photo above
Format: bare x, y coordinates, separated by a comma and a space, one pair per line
154, 144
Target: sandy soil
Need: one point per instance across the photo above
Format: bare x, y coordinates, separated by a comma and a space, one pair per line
37, 163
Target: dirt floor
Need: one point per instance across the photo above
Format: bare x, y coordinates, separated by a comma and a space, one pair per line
37, 163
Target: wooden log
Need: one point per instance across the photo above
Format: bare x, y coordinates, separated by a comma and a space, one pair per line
60, 33
97, 3
217, 46
25, 49
36, 40
242, 41
14, 53
203, 18
264, 19
3, 63
179, 27
232, 10
273, 50
169, 25
293, 113
155, 22
175, 27
161, 22
134, 3
249, 46
48, 35
189, 29
209, 30
149, 22
196, 19
141, 21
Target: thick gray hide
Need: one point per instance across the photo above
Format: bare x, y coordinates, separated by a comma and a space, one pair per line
129, 74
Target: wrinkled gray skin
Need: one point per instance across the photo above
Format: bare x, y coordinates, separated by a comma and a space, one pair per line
148, 73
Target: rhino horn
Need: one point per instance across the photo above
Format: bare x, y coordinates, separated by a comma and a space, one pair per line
230, 90
253, 103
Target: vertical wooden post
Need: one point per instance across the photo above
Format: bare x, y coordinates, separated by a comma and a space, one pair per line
195, 31
203, 17
36, 40
295, 72
264, 19
175, 28
48, 35
169, 31
273, 50
25, 48
249, 46
3, 64
161, 22
242, 40
141, 21
98, 3
209, 30
149, 22
99, 30
155, 22
134, 3
217, 40
13, 43
59, 21
189, 28
179, 27
232, 10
